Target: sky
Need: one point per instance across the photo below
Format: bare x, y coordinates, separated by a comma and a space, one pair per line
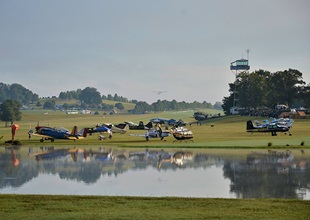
136, 47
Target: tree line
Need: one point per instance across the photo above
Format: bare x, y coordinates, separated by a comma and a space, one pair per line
265, 89
93, 98
18, 93
69, 95
13, 97
164, 105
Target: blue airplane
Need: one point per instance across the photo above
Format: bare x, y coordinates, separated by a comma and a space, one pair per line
49, 133
99, 129
163, 121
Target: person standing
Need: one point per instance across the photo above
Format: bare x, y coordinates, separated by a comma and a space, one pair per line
147, 136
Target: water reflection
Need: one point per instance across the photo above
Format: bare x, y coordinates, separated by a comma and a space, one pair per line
153, 172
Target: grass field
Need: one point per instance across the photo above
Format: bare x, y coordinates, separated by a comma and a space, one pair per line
96, 207
225, 132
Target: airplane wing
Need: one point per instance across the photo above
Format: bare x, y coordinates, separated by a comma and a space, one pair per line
120, 130
137, 135
42, 135
74, 138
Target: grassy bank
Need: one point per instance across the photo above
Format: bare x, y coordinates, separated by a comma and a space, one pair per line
227, 132
95, 207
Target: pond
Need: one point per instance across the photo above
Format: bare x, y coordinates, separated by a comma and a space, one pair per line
205, 173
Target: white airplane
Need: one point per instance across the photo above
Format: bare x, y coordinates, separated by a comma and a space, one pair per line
115, 129
154, 133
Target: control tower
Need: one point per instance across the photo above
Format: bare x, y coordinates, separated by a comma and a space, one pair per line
236, 67
240, 65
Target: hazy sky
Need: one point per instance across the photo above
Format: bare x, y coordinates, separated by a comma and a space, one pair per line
135, 47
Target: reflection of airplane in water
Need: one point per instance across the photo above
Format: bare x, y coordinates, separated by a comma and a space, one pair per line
270, 157
161, 157
178, 158
51, 154
49, 133
271, 128
74, 154
283, 160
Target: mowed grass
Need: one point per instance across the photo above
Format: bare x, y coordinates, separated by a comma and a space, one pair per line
97, 207
227, 131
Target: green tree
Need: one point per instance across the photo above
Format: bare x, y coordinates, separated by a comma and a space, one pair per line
4, 91
17, 92
158, 106
38, 104
305, 95
62, 95
217, 105
251, 89
228, 101
262, 88
119, 106
50, 104
110, 97
284, 87
10, 111
174, 105
116, 98
227, 104
142, 107
90, 96
106, 107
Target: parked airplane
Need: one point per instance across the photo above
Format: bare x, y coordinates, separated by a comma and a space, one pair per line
159, 133
116, 129
100, 129
287, 122
49, 133
199, 116
181, 133
272, 128
163, 121
133, 126
154, 133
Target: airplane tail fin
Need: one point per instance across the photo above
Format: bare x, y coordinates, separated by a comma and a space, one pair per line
149, 125
249, 125
83, 132
74, 131
126, 128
